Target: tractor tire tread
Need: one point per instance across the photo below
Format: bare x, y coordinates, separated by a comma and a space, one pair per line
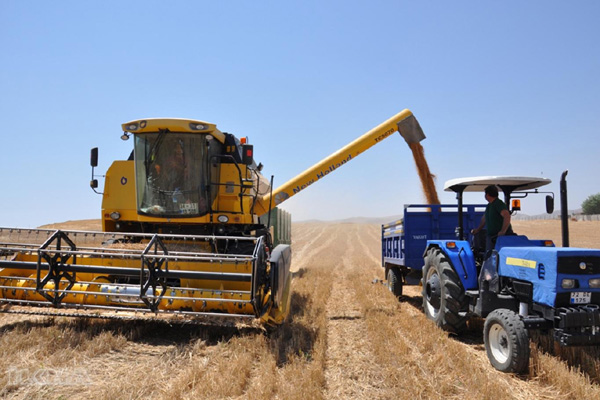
454, 299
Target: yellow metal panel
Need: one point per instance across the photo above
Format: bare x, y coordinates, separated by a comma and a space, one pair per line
119, 186
229, 190
119, 193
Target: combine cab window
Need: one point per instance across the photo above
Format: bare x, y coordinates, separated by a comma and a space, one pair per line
171, 174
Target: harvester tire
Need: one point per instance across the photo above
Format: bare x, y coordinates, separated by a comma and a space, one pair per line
394, 281
506, 341
444, 299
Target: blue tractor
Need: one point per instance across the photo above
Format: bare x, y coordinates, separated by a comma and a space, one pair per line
518, 286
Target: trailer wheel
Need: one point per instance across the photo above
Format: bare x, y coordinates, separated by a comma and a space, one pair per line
394, 281
506, 341
444, 300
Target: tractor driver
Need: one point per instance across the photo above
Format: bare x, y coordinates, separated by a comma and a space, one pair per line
496, 218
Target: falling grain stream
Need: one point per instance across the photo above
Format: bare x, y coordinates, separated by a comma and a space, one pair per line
425, 175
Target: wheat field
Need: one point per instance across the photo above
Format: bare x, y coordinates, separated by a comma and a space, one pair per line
347, 337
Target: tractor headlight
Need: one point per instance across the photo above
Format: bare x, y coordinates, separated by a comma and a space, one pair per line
223, 219
568, 283
594, 283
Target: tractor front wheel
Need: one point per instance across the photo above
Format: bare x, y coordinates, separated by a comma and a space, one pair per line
444, 300
506, 341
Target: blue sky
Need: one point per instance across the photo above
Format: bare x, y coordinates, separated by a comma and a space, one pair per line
500, 88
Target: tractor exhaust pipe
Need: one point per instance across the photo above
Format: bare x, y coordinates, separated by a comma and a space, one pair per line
564, 210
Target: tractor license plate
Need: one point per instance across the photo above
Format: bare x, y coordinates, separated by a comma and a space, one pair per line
581, 297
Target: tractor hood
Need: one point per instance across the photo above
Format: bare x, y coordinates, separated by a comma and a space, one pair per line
547, 268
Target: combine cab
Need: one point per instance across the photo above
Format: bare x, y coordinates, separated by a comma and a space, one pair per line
190, 229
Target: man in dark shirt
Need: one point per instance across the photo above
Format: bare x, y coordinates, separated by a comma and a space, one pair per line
496, 218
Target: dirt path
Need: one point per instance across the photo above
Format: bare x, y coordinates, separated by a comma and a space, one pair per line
350, 370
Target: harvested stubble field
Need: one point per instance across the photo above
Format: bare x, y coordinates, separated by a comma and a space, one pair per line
346, 338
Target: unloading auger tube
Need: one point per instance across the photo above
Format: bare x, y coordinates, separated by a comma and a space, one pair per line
404, 122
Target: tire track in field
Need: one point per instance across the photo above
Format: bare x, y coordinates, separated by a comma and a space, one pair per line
374, 232
368, 250
302, 231
306, 237
350, 371
309, 250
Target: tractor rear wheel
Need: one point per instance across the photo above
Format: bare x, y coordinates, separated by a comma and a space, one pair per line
506, 341
394, 279
444, 300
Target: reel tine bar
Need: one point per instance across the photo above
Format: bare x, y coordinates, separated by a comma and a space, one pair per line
152, 279
56, 260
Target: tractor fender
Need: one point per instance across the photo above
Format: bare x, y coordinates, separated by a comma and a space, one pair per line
461, 259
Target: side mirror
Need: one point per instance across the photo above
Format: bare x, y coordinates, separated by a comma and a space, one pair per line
549, 204
94, 157
94, 164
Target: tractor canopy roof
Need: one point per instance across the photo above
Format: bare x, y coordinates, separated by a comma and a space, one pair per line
505, 183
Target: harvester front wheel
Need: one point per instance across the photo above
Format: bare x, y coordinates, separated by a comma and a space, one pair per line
394, 281
506, 341
444, 300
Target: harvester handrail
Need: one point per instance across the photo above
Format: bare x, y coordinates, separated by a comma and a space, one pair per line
126, 253
170, 256
125, 285
221, 258
127, 234
132, 295
120, 271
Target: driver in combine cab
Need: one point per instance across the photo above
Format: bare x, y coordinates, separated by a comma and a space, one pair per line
171, 174
496, 219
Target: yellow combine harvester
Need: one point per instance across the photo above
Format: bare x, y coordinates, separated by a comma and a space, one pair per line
189, 226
